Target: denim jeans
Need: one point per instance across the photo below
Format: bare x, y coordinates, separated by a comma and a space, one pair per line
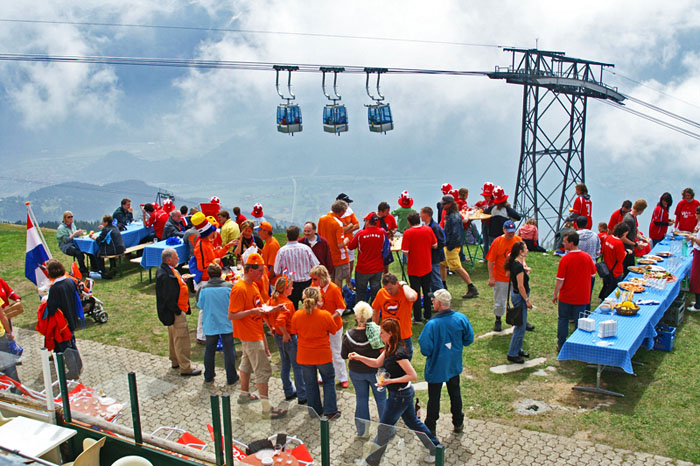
399, 404
229, 357
566, 313
288, 360
409, 347
363, 382
433, 410
313, 395
516, 341
435, 279
419, 283
588, 306
361, 281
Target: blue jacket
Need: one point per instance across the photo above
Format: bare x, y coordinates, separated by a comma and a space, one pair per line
437, 255
213, 300
442, 341
454, 231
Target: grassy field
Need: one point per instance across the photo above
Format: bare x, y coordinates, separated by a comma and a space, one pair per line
659, 414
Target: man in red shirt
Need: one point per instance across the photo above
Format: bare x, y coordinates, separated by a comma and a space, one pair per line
614, 253
156, 219
583, 205
685, 211
573, 288
418, 241
619, 214
370, 262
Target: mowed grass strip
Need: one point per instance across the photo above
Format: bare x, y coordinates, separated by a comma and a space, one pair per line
660, 413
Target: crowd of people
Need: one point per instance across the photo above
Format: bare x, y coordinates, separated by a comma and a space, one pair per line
296, 291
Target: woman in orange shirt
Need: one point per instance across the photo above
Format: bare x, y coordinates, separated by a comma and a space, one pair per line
333, 301
313, 325
287, 341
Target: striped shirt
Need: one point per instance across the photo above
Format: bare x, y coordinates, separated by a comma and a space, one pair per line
298, 259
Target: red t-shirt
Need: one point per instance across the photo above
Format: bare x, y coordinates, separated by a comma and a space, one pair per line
390, 222
369, 242
613, 251
576, 269
615, 218
657, 232
397, 307
418, 242
603, 237
685, 215
584, 207
157, 220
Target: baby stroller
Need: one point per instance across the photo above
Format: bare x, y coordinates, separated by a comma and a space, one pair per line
92, 306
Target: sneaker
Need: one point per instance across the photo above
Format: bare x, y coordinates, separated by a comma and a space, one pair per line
417, 321
472, 292
497, 327
429, 459
458, 429
523, 354
530, 327
516, 359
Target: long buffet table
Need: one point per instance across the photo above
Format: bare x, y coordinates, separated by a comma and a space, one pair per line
632, 332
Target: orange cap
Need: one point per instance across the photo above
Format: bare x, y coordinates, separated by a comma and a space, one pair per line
254, 259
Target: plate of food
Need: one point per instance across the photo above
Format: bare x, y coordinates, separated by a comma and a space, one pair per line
668, 276
638, 280
664, 254
633, 287
646, 261
637, 269
626, 308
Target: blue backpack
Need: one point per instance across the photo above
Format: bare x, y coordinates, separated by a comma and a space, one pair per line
194, 269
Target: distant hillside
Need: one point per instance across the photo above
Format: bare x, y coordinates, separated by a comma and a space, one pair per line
88, 202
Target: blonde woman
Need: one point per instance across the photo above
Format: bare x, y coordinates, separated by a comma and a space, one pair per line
312, 325
364, 377
332, 297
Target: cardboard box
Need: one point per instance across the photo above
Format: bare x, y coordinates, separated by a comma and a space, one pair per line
14, 310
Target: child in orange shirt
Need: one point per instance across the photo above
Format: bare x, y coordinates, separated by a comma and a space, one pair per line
287, 341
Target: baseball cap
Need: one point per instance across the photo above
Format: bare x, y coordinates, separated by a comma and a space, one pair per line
254, 259
447, 199
266, 226
509, 226
370, 215
343, 197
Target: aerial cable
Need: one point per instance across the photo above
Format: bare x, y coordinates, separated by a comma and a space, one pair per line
654, 120
639, 83
254, 31
661, 110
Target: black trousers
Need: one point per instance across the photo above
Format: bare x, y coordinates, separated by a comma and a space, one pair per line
419, 283
433, 411
73, 250
297, 289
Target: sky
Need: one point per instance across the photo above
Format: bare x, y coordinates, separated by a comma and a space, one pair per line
457, 129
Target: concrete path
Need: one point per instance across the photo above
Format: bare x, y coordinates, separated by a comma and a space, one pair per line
168, 399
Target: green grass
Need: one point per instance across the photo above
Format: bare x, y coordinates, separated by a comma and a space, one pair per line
659, 414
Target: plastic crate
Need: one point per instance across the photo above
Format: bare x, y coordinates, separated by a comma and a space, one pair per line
665, 339
675, 312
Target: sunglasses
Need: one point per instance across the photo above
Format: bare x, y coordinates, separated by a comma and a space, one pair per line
69, 216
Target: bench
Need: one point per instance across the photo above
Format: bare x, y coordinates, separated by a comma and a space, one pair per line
118, 257
137, 261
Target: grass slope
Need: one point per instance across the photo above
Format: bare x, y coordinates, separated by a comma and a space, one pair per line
659, 414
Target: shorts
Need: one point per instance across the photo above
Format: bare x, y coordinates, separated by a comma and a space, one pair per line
341, 272
351, 254
452, 259
254, 361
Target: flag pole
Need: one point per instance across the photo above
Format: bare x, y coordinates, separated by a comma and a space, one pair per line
30, 212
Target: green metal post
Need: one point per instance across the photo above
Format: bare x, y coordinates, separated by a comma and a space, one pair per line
216, 422
440, 455
325, 442
135, 413
228, 432
61, 372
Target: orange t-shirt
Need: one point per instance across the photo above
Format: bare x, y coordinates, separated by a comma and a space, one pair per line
331, 228
205, 252
347, 220
282, 318
397, 307
245, 296
269, 252
312, 330
333, 298
498, 253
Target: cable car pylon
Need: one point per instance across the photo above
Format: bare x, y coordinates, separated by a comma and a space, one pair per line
335, 116
289, 114
379, 113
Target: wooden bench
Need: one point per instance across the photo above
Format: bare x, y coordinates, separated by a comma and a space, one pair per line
118, 257
137, 261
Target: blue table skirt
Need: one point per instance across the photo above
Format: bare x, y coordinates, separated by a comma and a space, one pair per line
632, 332
152, 254
132, 236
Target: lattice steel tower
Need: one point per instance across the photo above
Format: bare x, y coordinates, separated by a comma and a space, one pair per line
555, 93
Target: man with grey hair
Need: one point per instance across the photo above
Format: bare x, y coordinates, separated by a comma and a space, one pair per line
173, 302
174, 226
330, 227
441, 342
